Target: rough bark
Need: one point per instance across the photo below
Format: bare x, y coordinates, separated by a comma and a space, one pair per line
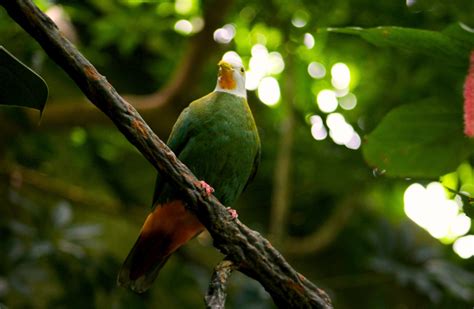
216, 293
252, 254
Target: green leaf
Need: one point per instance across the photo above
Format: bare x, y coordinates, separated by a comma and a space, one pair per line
461, 32
19, 85
453, 49
422, 140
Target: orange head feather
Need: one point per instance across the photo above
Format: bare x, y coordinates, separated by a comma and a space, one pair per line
226, 77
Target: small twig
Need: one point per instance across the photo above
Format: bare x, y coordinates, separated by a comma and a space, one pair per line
19, 176
325, 234
200, 49
216, 293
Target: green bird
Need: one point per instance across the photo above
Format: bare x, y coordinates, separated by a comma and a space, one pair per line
216, 137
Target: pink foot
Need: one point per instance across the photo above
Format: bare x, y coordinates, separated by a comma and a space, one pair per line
233, 213
207, 188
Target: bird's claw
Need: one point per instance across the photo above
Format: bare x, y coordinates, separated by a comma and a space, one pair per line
233, 213
208, 190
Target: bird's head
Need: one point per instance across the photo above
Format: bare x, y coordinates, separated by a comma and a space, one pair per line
231, 75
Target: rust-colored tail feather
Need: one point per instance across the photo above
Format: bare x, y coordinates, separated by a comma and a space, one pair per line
166, 229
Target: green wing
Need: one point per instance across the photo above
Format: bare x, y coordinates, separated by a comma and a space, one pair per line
256, 163
177, 140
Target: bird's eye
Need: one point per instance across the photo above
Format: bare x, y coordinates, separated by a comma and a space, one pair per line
242, 70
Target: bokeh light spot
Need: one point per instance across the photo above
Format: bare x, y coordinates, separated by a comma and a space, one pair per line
342, 133
184, 7
261, 64
225, 34
432, 210
316, 70
258, 61
355, 141
319, 133
183, 26
259, 51
251, 80
78, 136
318, 130
348, 102
327, 101
335, 119
269, 91
316, 120
276, 65
258, 67
308, 40
464, 246
341, 75
461, 225
198, 23
300, 19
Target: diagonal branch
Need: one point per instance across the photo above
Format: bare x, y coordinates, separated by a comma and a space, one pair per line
215, 297
253, 254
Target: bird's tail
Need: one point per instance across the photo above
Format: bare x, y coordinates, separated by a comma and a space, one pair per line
167, 228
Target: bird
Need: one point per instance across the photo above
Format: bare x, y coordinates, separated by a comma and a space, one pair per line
217, 138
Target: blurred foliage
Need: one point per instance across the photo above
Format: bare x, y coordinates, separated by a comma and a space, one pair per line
61, 249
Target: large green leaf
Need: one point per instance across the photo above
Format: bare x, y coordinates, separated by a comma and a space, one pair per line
452, 46
19, 85
423, 140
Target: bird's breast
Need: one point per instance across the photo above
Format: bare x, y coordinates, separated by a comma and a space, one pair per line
223, 149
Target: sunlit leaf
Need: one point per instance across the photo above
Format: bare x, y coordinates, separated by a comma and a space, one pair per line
423, 140
453, 47
19, 85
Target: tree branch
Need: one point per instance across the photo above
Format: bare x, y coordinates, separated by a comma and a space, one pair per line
215, 297
252, 254
322, 237
200, 49
282, 175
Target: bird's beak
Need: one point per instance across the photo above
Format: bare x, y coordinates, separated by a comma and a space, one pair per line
225, 65
226, 78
